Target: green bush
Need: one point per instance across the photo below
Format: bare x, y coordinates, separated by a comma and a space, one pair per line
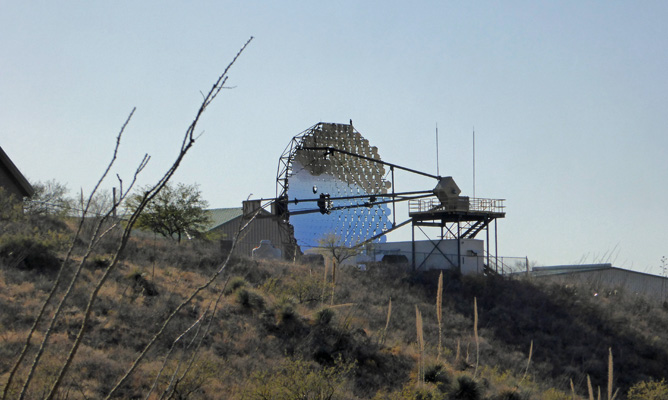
299, 379
649, 390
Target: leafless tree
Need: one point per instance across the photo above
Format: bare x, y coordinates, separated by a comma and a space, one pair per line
50, 198
101, 229
331, 245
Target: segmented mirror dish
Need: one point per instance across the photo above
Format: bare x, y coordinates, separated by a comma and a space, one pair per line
322, 175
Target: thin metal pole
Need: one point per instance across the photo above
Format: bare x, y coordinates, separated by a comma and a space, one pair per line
394, 208
474, 162
437, 164
496, 246
413, 243
459, 246
487, 232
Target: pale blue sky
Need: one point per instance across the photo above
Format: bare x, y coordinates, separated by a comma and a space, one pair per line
568, 101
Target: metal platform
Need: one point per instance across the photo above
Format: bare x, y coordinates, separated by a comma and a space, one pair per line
462, 209
458, 218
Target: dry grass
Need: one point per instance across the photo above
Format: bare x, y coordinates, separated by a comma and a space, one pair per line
439, 313
243, 340
383, 334
420, 344
475, 335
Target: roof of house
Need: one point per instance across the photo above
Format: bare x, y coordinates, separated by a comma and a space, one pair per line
576, 269
568, 269
21, 181
220, 216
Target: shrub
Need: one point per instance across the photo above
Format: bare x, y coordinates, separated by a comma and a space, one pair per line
286, 312
186, 382
96, 365
249, 299
554, 394
466, 389
308, 289
509, 394
50, 198
649, 390
411, 392
235, 283
324, 316
99, 261
10, 207
299, 379
28, 252
434, 373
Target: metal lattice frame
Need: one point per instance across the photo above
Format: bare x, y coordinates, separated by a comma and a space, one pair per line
424, 209
325, 141
285, 162
281, 202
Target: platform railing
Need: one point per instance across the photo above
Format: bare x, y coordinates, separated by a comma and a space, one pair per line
458, 204
504, 265
501, 265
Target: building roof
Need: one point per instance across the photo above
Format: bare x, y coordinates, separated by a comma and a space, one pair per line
18, 177
568, 269
575, 269
220, 216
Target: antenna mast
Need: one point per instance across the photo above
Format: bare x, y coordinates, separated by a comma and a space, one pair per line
437, 171
474, 162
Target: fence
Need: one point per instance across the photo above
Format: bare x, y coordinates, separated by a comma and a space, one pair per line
508, 265
474, 204
98, 208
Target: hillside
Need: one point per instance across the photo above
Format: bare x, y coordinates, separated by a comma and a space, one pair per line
265, 330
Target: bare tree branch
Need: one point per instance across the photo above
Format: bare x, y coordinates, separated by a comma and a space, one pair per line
185, 348
188, 142
94, 240
52, 292
193, 357
171, 385
176, 311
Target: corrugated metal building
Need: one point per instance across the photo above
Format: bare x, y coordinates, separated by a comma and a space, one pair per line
226, 222
605, 276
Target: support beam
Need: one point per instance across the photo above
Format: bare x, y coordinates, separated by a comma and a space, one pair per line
487, 243
459, 247
435, 247
331, 150
496, 248
413, 244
